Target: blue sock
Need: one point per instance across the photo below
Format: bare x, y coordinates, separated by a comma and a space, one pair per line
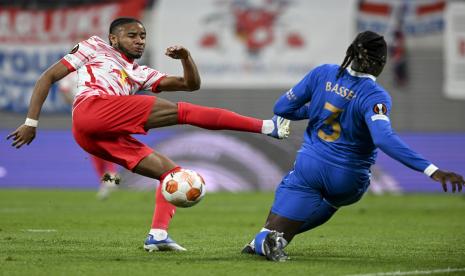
258, 241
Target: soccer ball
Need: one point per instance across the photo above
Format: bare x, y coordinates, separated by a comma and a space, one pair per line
183, 188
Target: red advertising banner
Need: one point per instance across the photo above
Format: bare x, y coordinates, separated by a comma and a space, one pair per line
64, 24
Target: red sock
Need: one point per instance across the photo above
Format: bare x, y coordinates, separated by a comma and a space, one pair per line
110, 167
99, 165
216, 118
164, 211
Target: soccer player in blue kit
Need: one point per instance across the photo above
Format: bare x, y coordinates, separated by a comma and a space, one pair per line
348, 115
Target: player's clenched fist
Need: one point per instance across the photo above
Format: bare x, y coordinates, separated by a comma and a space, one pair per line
22, 135
177, 52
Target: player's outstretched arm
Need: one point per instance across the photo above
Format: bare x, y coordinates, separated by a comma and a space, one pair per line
455, 180
191, 79
27, 131
387, 140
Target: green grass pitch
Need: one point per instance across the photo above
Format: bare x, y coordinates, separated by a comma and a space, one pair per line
87, 237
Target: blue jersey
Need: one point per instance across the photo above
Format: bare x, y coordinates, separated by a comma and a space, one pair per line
348, 119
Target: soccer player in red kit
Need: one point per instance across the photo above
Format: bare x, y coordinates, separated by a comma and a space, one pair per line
106, 112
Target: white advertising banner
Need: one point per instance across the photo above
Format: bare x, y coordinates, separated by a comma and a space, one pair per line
417, 17
252, 43
454, 45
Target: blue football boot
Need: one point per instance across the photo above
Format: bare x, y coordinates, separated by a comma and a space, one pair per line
151, 244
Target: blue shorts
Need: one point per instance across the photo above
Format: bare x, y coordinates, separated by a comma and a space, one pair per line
311, 181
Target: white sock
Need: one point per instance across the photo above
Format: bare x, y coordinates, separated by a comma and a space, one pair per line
267, 127
158, 234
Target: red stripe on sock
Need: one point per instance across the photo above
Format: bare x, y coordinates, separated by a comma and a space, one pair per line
216, 118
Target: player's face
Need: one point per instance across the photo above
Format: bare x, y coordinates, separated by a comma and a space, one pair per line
130, 39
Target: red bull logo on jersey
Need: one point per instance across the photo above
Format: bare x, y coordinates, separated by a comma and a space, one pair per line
123, 76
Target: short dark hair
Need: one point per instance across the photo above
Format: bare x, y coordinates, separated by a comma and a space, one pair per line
368, 50
121, 21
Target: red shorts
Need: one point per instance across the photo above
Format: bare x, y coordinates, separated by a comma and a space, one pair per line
102, 126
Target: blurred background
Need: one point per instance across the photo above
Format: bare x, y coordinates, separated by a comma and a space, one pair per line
248, 52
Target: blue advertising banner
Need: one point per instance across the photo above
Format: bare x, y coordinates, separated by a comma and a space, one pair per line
31, 40
227, 161
20, 68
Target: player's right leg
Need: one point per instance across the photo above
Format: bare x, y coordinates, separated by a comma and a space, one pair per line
158, 166
166, 113
306, 198
102, 126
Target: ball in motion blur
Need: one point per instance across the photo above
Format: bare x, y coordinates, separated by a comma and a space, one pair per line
183, 188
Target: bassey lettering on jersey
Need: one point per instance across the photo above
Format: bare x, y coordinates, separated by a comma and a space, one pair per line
340, 90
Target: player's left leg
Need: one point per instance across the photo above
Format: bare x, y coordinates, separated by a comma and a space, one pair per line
166, 113
293, 204
286, 229
299, 205
279, 230
319, 216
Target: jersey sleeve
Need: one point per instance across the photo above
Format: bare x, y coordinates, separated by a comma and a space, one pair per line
376, 111
68, 85
292, 105
153, 79
80, 54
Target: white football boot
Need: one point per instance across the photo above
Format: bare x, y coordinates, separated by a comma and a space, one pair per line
281, 129
159, 240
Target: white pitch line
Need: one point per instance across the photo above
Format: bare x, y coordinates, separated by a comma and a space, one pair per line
40, 230
415, 272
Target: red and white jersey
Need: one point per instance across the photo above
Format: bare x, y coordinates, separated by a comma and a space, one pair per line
68, 84
101, 69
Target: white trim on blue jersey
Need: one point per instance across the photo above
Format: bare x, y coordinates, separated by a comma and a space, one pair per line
360, 75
